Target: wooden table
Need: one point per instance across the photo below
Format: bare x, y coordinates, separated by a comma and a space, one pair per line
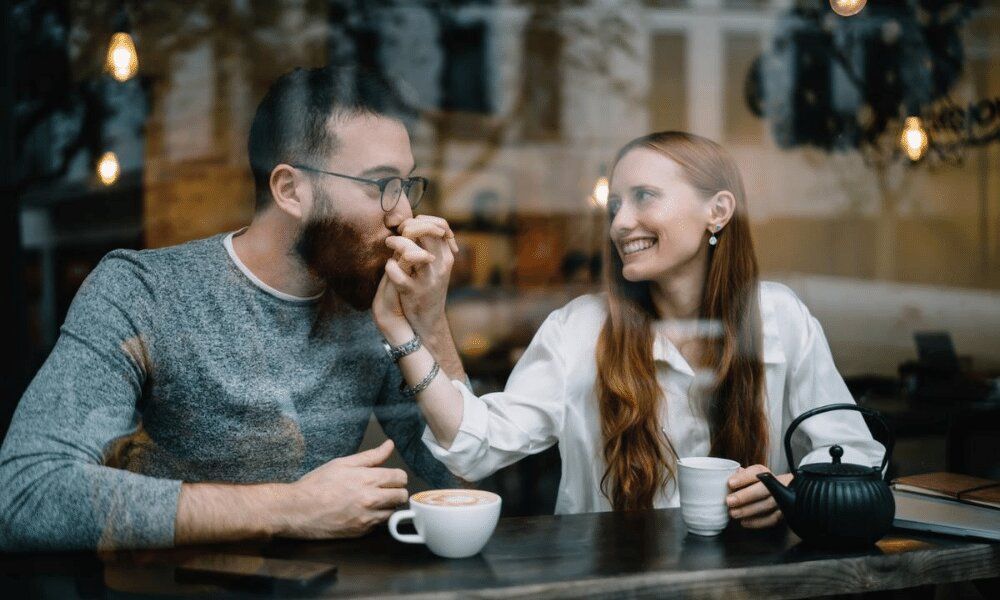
641, 554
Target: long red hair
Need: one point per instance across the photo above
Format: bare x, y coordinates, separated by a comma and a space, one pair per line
639, 457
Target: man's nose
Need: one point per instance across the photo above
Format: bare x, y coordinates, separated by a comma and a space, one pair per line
399, 213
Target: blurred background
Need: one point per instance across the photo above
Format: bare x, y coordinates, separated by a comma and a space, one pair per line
868, 142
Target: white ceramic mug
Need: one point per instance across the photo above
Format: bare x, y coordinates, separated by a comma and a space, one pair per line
704, 485
453, 523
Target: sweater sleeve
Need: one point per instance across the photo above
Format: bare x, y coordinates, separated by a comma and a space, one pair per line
55, 492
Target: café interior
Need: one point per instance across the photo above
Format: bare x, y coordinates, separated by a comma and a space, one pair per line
869, 145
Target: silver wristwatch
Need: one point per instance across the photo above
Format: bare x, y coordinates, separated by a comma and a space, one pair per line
398, 352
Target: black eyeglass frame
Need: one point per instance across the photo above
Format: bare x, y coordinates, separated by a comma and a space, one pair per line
405, 185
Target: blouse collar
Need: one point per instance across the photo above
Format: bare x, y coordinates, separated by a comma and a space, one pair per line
665, 351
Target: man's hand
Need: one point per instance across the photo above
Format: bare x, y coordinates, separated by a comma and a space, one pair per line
387, 311
750, 502
345, 497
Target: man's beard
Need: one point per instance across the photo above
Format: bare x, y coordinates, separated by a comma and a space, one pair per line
343, 256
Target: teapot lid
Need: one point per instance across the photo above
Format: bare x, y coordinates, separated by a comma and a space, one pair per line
837, 468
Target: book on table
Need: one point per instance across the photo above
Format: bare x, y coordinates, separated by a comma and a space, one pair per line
953, 486
948, 503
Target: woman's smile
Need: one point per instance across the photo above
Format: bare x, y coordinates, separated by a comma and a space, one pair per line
634, 246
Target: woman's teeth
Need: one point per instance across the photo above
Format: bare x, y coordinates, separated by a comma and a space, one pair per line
637, 246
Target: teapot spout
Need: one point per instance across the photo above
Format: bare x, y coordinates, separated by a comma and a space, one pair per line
783, 495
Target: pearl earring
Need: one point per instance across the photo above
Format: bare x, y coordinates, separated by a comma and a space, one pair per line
714, 240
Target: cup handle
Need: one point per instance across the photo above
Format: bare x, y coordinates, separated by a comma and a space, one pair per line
408, 538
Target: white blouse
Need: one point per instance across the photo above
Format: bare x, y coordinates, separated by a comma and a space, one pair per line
550, 398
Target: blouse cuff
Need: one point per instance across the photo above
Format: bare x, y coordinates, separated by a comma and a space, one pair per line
471, 432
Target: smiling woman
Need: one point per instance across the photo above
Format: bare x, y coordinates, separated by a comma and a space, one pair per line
670, 192
686, 354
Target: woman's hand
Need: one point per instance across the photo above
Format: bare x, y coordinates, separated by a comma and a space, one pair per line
424, 250
749, 501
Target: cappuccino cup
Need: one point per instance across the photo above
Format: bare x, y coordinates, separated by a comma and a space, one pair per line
703, 483
452, 523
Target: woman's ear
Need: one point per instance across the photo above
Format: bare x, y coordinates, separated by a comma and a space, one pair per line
721, 208
289, 192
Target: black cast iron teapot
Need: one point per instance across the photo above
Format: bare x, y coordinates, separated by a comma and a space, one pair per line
835, 504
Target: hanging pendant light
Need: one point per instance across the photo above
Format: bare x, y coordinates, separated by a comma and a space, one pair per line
122, 61
847, 8
913, 140
599, 197
108, 168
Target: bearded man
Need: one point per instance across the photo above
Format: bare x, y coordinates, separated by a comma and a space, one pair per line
218, 390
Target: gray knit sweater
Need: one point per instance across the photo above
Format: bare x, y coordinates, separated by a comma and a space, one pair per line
179, 364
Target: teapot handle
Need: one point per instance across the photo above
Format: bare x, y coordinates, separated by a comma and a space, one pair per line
890, 441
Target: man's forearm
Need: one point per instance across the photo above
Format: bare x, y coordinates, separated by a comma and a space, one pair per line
210, 512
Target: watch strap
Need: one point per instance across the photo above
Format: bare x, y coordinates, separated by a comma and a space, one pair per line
398, 352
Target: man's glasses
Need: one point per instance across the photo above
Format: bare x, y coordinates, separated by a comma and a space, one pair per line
390, 188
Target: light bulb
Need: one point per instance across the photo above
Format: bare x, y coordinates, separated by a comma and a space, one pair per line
600, 195
108, 168
475, 344
122, 61
913, 140
847, 8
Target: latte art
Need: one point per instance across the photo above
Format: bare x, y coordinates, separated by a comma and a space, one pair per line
454, 498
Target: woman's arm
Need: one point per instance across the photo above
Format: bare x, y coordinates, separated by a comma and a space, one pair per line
475, 436
813, 381
440, 403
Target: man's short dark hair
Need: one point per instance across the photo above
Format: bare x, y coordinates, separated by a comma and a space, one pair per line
290, 124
